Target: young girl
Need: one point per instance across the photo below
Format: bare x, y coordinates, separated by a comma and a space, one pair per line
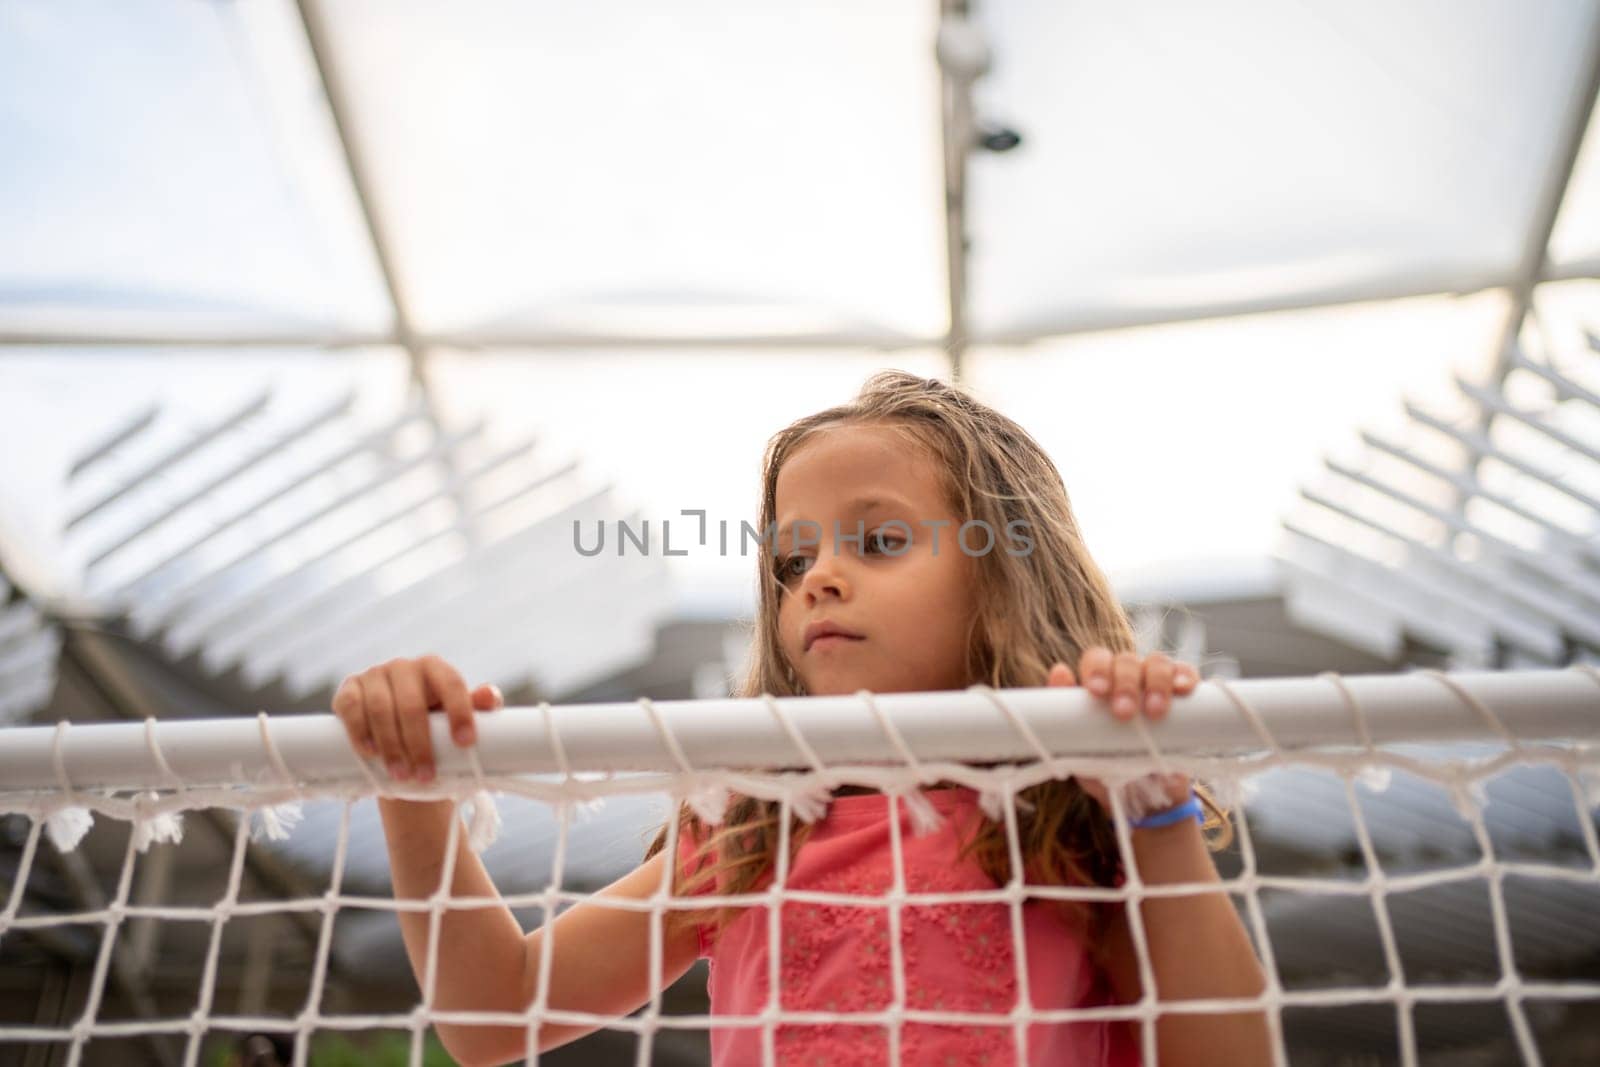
910, 605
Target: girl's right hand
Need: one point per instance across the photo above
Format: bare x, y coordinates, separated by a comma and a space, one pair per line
385, 711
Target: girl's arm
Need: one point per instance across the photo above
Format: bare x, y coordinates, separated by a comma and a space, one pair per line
487, 963
1198, 949
600, 958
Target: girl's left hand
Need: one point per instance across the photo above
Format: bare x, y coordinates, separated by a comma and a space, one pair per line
1130, 685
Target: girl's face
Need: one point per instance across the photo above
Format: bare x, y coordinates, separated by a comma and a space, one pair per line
910, 600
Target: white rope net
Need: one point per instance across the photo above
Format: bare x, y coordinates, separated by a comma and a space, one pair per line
796, 751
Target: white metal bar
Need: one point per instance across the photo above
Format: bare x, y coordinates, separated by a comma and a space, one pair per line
283, 587
1416, 602
172, 601
569, 661
1487, 449
290, 609
224, 425
1566, 388
366, 443
260, 454
313, 634
494, 567
526, 635
1497, 403
543, 624
135, 426
1469, 486
1560, 573
1542, 641
955, 725
1346, 614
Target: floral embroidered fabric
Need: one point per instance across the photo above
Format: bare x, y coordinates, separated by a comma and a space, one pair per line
956, 957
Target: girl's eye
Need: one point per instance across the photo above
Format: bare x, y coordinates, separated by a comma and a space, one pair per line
887, 543
881, 539
781, 568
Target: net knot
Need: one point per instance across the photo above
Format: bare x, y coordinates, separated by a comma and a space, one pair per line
483, 828
992, 802
162, 827
148, 829
1469, 795
276, 820
1375, 777
1235, 792
1145, 794
925, 818
810, 801
707, 798
67, 826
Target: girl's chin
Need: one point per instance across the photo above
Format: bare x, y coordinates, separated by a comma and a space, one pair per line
836, 685
840, 686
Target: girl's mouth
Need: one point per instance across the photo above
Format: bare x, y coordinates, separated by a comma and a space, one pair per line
831, 641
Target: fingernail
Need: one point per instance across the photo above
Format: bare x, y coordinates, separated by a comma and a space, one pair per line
1124, 705
1098, 684
463, 737
1153, 702
424, 774
500, 698
397, 770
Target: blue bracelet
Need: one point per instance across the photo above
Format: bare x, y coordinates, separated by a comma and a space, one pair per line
1172, 815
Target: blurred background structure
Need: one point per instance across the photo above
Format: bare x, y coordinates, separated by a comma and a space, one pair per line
321, 323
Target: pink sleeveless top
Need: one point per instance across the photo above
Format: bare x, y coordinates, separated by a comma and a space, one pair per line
957, 957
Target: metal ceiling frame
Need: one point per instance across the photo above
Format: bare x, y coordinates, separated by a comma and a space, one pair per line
957, 125
1409, 287
957, 130
1536, 604
1535, 265
361, 181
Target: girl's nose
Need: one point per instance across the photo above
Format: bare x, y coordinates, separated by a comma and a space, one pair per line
824, 576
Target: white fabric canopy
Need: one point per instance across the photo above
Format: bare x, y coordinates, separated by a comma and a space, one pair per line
657, 239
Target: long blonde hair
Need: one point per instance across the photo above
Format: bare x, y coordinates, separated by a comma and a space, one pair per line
1034, 610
